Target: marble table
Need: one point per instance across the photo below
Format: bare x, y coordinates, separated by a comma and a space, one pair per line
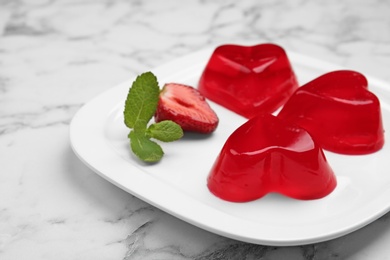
57, 55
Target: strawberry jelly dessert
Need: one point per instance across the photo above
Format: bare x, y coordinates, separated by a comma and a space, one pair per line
339, 111
267, 154
248, 79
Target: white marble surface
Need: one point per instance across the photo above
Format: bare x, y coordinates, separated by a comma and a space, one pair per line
57, 55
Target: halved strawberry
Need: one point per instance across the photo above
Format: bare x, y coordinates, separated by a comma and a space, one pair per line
187, 107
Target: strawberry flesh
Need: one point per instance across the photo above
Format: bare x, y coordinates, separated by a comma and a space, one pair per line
187, 107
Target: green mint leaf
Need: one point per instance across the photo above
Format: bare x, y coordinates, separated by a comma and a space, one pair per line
144, 148
141, 102
140, 106
166, 131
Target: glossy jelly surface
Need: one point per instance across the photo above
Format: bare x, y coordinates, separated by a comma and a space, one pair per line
265, 155
339, 111
248, 79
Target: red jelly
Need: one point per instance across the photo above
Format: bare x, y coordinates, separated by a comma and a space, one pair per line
248, 79
267, 154
339, 111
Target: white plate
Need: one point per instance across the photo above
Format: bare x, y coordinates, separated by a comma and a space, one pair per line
177, 184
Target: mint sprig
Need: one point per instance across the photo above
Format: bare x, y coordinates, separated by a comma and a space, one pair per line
140, 106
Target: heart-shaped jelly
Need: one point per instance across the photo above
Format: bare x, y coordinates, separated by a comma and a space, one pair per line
339, 111
267, 154
248, 79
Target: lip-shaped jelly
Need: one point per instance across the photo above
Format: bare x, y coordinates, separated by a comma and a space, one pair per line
248, 79
339, 111
267, 154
